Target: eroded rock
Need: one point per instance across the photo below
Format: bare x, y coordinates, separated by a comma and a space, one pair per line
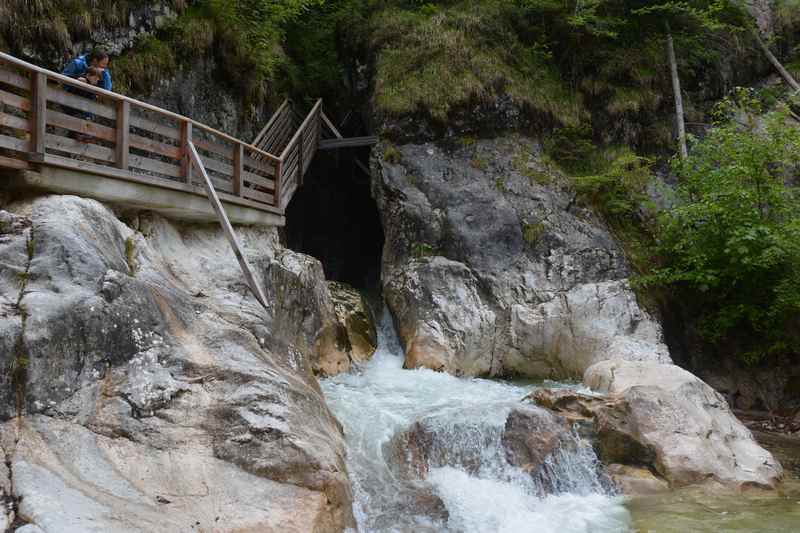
634, 481
491, 268
157, 393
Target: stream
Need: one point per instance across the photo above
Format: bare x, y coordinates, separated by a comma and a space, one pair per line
470, 487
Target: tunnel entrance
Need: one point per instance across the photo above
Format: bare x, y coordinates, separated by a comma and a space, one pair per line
333, 217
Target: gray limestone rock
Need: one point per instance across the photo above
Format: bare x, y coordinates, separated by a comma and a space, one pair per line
156, 393
664, 417
491, 268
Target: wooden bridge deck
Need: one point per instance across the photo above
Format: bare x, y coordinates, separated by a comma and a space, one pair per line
62, 135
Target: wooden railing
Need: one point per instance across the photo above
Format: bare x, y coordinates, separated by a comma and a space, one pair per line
50, 119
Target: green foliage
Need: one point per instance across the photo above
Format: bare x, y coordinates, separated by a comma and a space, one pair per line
435, 60
152, 61
422, 249
618, 191
532, 232
391, 154
732, 242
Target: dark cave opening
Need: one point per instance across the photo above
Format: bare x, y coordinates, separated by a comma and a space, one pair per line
334, 218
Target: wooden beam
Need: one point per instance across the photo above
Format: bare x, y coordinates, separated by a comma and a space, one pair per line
38, 113
186, 148
351, 142
330, 125
238, 168
270, 122
227, 228
278, 180
123, 133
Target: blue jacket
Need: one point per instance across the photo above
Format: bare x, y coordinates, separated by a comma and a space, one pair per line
78, 67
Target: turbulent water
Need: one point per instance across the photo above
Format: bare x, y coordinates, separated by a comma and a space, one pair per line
469, 487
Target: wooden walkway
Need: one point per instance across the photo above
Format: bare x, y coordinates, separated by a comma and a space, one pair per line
50, 121
62, 135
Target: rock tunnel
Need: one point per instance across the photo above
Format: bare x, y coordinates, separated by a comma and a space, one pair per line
334, 218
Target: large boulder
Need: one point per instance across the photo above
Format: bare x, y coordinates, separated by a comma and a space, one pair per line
149, 389
491, 267
668, 418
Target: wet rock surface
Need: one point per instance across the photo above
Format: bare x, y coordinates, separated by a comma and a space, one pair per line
155, 392
490, 267
355, 315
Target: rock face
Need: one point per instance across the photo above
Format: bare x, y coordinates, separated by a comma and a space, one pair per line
686, 426
489, 267
354, 314
156, 393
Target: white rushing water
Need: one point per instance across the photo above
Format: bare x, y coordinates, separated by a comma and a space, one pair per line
468, 472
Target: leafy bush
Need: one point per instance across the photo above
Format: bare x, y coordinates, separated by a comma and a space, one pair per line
731, 244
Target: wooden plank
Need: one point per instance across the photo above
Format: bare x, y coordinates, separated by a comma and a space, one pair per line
258, 196
73, 146
273, 134
238, 169
209, 146
8, 162
12, 143
351, 142
80, 125
260, 166
156, 181
154, 165
100, 109
255, 179
123, 134
15, 80
213, 164
144, 124
155, 147
17, 123
227, 228
220, 185
15, 100
186, 142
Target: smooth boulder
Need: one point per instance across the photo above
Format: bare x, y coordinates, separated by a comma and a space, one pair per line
665, 416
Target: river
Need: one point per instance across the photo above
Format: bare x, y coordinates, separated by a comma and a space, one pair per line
471, 488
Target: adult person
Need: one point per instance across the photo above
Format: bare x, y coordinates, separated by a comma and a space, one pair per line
97, 58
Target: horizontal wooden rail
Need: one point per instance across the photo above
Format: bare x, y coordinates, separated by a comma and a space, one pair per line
48, 118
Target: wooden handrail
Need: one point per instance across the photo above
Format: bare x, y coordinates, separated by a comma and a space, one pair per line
301, 129
138, 103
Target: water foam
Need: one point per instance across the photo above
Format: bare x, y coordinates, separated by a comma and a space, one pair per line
479, 489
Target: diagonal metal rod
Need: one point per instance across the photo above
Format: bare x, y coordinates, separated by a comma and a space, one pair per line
227, 228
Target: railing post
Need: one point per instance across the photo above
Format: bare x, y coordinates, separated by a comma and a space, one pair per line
123, 133
238, 169
186, 157
38, 114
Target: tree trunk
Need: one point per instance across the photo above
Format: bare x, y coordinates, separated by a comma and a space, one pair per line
774, 60
676, 89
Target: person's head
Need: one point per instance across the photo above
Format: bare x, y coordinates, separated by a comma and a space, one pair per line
98, 58
93, 75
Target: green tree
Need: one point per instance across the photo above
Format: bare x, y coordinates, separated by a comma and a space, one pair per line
732, 241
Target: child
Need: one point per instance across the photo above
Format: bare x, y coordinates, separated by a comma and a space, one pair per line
92, 76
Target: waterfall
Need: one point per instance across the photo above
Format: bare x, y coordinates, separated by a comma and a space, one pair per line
467, 484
